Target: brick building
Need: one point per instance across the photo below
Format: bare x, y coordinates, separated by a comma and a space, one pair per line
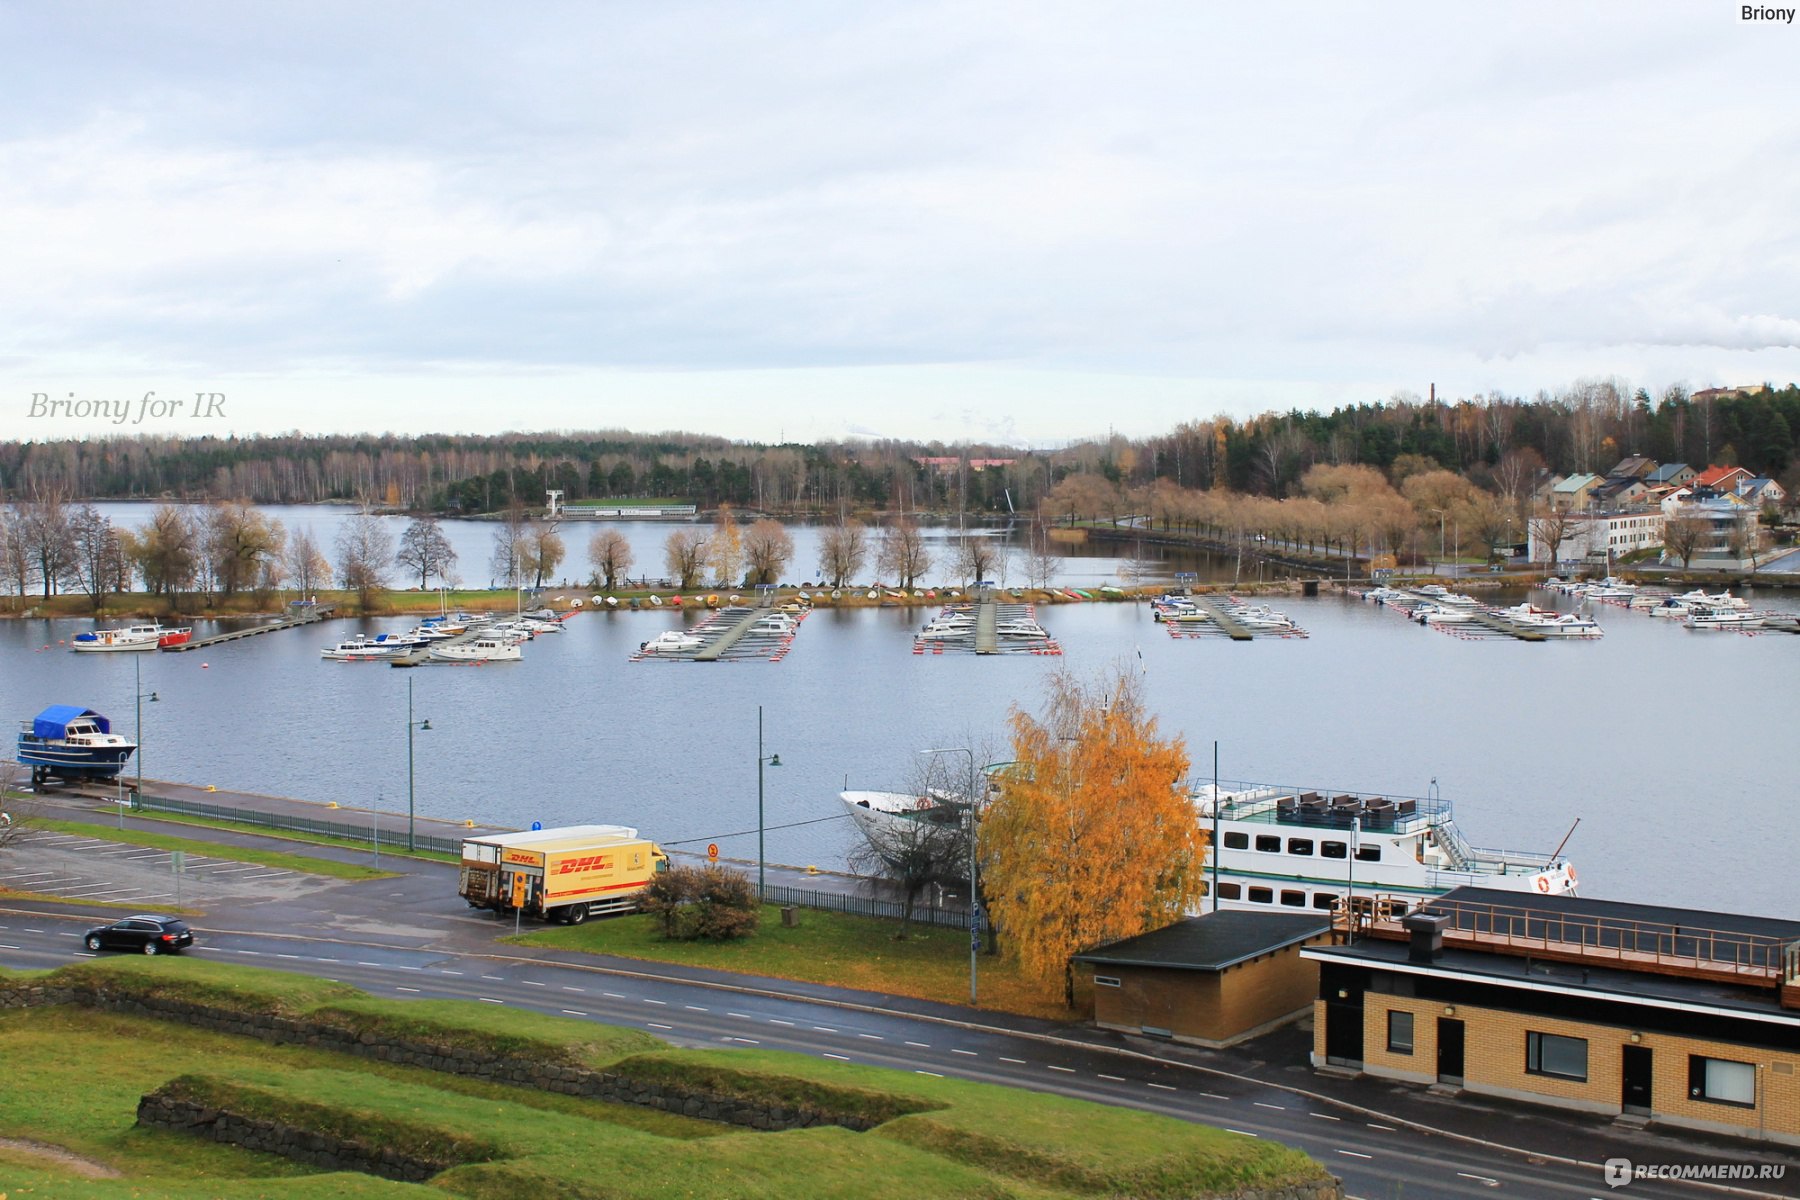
1682, 1018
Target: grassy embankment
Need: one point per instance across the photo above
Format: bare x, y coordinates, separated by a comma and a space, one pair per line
825, 947
281, 859
75, 1077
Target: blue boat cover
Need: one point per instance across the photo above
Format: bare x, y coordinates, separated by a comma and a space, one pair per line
53, 722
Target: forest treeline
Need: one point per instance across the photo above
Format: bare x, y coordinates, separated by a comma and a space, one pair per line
1584, 427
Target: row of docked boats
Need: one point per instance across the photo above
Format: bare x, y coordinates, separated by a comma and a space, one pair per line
1436, 606
130, 637
1695, 609
1179, 610
1277, 847
685, 643
460, 639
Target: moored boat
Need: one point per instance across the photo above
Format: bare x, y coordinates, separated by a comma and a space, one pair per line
66, 742
672, 641
131, 637
170, 638
480, 650
1722, 618
363, 649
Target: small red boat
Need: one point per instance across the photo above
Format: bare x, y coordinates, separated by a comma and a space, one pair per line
170, 638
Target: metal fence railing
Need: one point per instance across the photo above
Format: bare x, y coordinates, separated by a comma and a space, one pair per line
866, 906
297, 824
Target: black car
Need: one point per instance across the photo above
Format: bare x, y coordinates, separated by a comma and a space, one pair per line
145, 934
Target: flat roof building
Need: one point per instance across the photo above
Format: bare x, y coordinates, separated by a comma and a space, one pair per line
1676, 1016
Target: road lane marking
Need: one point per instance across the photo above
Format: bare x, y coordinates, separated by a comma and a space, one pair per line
493, 979
1214, 1096
1241, 1132
33, 931
746, 1041
1383, 1128
839, 1057
612, 995
1163, 1087
873, 1037
533, 983
571, 1012
1355, 1154
779, 1021
933, 1074
1484, 1180
823, 1029
1276, 1107
647, 1000
489, 1000
741, 1016
920, 1045
1324, 1116
1017, 1062
954, 1050
567, 988
1064, 1070
368, 964
654, 1025
1113, 1078
441, 971
398, 988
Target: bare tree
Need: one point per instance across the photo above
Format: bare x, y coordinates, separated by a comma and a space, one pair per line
364, 549
507, 564
685, 555
1042, 562
1551, 529
904, 555
15, 556
97, 552
725, 549
609, 552
543, 549
919, 849
48, 539
976, 557
425, 549
767, 550
842, 550
1682, 537
307, 567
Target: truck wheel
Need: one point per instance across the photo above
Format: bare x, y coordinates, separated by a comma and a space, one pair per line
578, 914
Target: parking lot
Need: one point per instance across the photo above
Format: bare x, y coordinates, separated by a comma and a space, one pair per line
96, 869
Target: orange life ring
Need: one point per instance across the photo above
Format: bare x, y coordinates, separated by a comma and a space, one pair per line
1543, 884
1572, 876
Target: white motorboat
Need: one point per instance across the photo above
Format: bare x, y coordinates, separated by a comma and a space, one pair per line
672, 641
363, 649
480, 650
1020, 629
1438, 614
898, 824
1561, 625
1722, 618
1260, 616
1699, 598
131, 637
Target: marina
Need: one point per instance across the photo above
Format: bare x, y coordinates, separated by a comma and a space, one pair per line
1186, 616
986, 626
730, 634
300, 614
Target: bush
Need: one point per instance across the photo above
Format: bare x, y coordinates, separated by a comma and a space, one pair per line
703, 904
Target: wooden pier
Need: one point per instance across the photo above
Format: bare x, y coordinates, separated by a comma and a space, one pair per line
1229, 624
987, 618
1502, 625
731, 636
310, 616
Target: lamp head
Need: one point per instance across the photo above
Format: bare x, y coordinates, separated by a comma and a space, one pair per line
774, 760
153, 697
425, 725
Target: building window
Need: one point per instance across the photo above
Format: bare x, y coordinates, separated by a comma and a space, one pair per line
1300, 846
1106, 981
1334, 850
1324, 899
1368, 854
1268, 844
1400, 1031
1261, 895
1563, 1057
1237, 841
1294, 899
1722, 1081
1230, 891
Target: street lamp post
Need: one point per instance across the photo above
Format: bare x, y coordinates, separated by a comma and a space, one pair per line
410, 726
974, 902
773, 760
138, 671
1440, 517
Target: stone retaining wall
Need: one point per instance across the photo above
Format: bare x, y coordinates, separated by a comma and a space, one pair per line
322, 1150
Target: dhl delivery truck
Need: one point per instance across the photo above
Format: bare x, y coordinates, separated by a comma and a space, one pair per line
567, 874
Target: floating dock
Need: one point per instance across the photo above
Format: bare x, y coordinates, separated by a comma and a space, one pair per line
1205, 616
311, 616
988, 627
734, 634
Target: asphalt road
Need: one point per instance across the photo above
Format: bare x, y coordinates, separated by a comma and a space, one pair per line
411, 937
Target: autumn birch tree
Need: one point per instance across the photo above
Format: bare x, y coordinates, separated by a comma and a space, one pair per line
1092, 837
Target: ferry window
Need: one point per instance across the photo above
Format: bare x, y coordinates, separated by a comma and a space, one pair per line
1334, 850
1368, 854
1294, 899
1268, 843
1106, 981
1237, 841
1721, 1081
1231, 891
1261, 896
1400, 1032
1300, 845
1324, 899
1550, 1054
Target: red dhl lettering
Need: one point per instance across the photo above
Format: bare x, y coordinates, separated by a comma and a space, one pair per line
591, 862
529, 858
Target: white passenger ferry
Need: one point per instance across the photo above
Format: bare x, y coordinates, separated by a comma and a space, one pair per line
1285, 848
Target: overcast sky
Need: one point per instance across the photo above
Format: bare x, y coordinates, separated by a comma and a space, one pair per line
1029, 222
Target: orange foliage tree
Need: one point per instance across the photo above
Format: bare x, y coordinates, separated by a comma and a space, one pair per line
1092, 837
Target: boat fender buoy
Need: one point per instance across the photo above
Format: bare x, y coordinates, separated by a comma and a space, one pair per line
1543, 885
1572, 876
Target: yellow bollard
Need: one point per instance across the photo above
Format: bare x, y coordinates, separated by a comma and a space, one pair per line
211, 788
331, 804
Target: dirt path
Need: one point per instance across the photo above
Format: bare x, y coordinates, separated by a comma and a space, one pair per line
56, 1156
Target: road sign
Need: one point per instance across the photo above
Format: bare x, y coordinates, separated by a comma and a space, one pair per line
712, 850
177, 861
536, 825
974, 940
978, 919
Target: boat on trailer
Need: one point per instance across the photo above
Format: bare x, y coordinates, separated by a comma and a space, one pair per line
74, 744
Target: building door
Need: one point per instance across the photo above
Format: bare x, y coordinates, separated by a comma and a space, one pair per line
1636, 1076
1449, 1050
1344, 1034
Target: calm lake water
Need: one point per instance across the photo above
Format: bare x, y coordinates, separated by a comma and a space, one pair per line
1665, 743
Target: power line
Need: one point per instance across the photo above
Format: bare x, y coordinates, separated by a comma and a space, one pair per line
719, 837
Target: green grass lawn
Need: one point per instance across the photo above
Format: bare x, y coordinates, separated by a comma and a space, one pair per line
135, 836
396, 848
825, 947
75, 1076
